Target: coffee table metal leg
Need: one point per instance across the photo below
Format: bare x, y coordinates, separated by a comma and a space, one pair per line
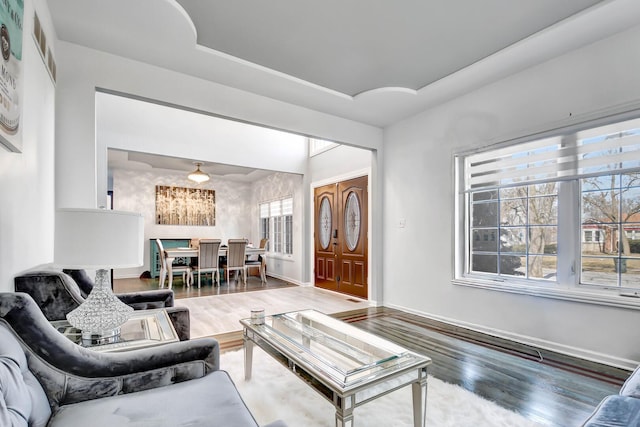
344, 411
419, 389
248, 358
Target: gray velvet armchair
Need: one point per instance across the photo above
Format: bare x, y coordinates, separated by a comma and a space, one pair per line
59, 292
47, 380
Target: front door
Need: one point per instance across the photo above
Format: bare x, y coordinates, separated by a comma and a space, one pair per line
341, 256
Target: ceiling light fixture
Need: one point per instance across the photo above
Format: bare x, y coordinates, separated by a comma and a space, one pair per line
197, 175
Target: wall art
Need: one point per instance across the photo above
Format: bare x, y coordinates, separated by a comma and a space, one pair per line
185, 206
11, 15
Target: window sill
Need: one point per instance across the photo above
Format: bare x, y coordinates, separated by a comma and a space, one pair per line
282, 257
599, 297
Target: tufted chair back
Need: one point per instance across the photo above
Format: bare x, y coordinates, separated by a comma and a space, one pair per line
55, 292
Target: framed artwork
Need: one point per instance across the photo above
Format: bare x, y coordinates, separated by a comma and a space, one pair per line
185, 206
11, 19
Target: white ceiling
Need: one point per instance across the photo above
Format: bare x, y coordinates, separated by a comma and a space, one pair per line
374, 61
131, 160
357, 46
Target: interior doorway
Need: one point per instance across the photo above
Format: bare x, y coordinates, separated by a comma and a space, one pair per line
340, 237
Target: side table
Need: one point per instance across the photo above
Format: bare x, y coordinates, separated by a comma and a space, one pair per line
145, 328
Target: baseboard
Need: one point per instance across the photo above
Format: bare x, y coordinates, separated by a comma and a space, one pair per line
533, 342
286, 279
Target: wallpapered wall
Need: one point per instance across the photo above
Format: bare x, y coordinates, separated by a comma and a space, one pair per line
274, 187
135, 191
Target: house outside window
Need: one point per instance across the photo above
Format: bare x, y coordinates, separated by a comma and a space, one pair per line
276, 225
562, 211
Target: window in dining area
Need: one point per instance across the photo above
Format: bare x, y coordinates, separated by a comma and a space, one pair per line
276, 225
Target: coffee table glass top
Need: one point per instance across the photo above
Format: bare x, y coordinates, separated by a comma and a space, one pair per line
338, 350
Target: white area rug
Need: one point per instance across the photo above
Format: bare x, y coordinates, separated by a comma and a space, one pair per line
275, 393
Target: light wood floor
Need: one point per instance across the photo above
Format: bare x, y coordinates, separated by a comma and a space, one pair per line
220, 314
216, 311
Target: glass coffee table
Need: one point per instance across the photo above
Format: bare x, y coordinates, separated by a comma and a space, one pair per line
347, 365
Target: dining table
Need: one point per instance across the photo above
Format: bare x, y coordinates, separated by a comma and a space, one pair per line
189, 252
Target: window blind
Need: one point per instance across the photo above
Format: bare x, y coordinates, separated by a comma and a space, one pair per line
614, 148
287, 206
276, 208
264, 210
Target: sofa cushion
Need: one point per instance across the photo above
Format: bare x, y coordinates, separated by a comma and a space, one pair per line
631, 387
23, 401
208, 401
615, 411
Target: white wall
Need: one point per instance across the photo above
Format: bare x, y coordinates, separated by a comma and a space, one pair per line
338, 162
82, 170
134, 191
160, 129
418, 187
273, 187
26, 179
81, 163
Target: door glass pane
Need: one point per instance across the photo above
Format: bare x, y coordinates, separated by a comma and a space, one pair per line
352, 221
325, 223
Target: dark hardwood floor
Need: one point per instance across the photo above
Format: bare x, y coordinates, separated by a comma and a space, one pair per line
549, 388
206, 288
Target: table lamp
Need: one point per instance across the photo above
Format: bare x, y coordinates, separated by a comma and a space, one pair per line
99, 239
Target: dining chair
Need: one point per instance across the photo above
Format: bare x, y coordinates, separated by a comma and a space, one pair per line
208, 259
259, 263
236, 255
187, 276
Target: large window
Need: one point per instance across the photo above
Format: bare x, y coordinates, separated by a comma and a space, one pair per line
514, 231
561, 212
276, 225
611, 211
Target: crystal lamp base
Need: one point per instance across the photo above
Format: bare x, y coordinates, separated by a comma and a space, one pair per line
102, 312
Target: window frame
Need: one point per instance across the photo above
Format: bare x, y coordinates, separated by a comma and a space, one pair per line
569, 226
280, 239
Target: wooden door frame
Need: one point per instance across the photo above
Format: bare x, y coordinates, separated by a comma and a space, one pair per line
311, 240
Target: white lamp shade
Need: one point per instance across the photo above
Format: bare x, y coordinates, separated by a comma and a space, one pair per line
98, 239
